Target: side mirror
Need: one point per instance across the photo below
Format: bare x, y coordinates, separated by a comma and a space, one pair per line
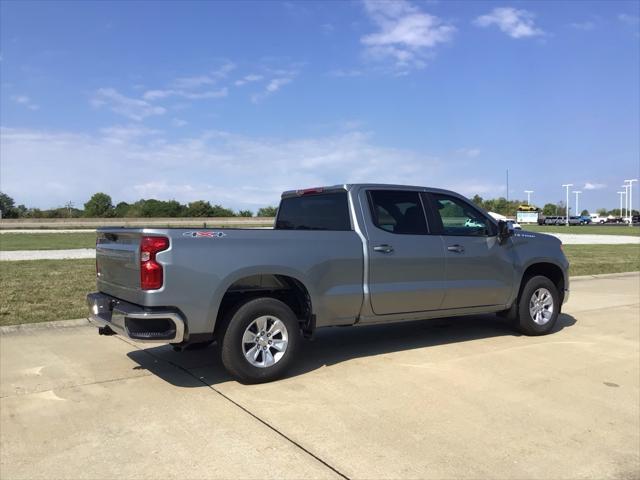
505, 230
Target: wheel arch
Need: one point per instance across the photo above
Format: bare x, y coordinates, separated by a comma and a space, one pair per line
545, 268
284, 285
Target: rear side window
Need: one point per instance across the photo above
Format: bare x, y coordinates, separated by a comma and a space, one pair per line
398, 212
328, 211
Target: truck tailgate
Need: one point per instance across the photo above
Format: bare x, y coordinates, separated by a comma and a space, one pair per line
118, 263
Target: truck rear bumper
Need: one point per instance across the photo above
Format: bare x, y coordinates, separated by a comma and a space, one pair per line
133, 321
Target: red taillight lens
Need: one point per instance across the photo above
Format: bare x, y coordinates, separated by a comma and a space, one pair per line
151, 275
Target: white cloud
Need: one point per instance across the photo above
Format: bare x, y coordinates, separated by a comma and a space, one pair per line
152, 95
197, 81
469, 152
586, 26
132, 108
178, 122
126, 133
512, 21
248, 79
340, 73
249, 172
25, 101
406, 35
632, 20
593, 186
273, 85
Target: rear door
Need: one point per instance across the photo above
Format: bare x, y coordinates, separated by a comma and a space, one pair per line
479, 270
406, 263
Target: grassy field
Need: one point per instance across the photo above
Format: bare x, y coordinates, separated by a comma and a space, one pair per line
590, 229
42, 290
595, 259
46, 241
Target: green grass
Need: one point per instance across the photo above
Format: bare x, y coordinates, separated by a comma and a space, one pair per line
41, 290
590, 229
46, 241
34, 291
595, 259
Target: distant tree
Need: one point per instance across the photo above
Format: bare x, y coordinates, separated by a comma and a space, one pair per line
7, 206
159, 208
99, 205
245, 213
267, 212
121, 210
22, 211
602, 212
220, 211
549, 209
199, 208
477, 199
585, 213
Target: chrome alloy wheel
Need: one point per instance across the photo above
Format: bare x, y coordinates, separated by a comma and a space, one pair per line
265, 341
541, 306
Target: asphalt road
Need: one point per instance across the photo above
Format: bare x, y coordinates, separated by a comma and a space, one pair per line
457, 398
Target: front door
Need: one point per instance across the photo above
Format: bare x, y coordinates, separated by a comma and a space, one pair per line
479, 269
406, 262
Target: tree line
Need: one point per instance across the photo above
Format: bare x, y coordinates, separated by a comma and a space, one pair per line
101, 205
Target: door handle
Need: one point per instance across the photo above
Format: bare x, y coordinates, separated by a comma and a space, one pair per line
456, 248
383, 248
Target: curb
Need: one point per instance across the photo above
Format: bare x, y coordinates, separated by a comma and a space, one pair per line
24, 327
603, 275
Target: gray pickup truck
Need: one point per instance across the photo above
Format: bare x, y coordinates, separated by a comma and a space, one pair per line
356, 254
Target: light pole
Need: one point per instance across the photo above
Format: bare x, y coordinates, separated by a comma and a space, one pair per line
577, 192
626, 200
630, 182
621, 194
528, 192
567, 186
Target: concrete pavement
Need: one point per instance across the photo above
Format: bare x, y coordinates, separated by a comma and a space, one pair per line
455, 398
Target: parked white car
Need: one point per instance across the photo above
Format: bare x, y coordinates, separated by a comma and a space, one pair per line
596, 218
511, 222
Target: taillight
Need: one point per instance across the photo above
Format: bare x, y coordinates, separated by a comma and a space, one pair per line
151, 271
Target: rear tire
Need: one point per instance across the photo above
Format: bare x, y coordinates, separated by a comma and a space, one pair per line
260, 340
538, 306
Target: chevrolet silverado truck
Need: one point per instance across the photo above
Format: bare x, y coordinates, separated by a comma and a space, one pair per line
356, 254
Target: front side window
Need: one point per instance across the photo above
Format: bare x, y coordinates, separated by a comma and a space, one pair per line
397, 211
460, 218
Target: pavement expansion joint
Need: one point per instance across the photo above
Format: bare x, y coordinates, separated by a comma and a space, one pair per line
244, 409
67, 387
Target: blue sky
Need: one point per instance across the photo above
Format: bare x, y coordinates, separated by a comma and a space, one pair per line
233, 102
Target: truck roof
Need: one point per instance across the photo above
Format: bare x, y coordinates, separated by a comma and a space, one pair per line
351, 186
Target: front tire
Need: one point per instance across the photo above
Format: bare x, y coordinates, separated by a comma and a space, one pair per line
538, 306
260, 340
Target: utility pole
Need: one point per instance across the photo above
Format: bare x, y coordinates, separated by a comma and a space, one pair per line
528, 192
567, 186
621, 194
626, 200
630, 182
577, 192
507, 184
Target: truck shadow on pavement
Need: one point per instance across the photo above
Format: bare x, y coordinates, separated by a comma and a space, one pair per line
330, 346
